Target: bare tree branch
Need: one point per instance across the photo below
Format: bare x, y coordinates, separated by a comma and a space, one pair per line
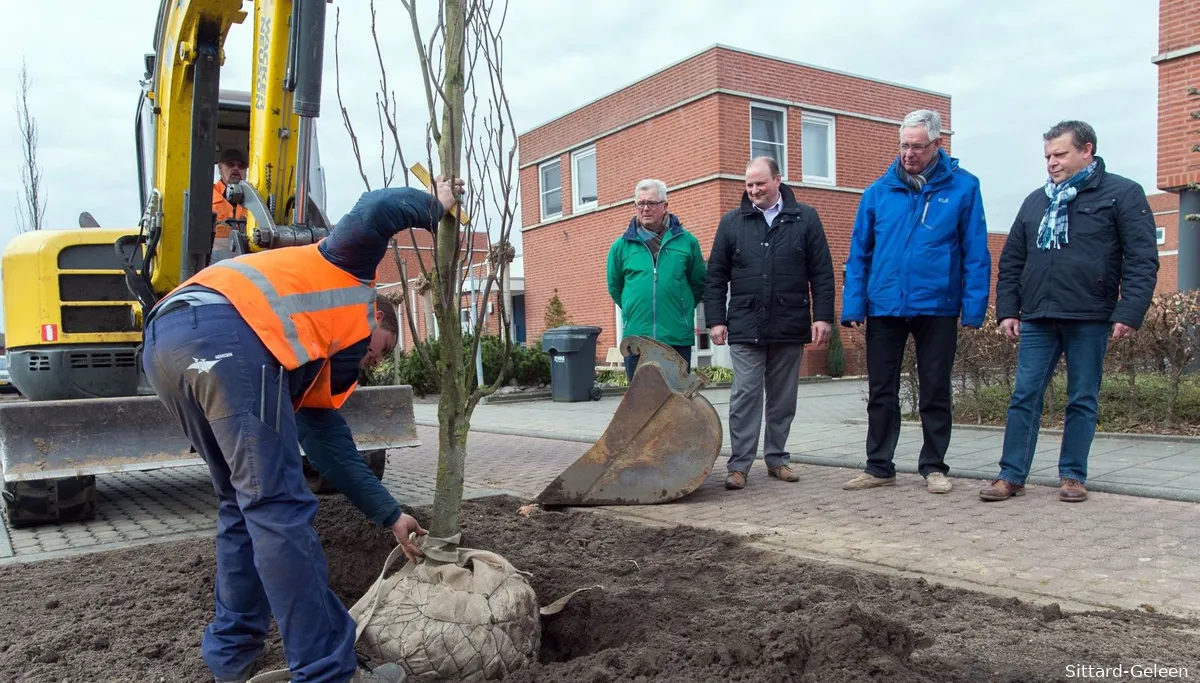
337, 74
31, 211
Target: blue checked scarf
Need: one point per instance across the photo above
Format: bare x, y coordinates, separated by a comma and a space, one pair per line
1053, 230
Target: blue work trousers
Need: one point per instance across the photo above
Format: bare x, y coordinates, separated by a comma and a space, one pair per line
209, 369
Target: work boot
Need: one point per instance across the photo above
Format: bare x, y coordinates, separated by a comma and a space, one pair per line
250, 670
937, 482
1072, 492
735, 480
1001, 490
868, 481
783, 473
384, 673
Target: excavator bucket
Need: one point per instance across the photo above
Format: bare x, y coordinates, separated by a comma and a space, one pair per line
661, 444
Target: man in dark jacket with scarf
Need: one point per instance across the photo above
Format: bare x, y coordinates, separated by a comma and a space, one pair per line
1079, 267
768, 255
919, 263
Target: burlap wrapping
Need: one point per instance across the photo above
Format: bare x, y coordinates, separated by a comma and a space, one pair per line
462, 615
456, 614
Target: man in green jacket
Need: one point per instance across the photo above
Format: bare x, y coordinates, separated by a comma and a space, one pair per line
656, 274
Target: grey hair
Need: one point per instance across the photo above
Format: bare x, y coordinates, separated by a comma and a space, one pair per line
924, 118
659, 187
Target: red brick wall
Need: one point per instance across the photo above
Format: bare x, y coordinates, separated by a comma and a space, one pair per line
1165, 206
388, 272
1179, 28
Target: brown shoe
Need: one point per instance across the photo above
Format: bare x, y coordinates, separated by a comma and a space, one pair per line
735, 480
1072, 491
783, 473
1001, 490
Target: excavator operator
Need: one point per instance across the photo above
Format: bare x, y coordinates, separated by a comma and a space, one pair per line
253, 356
232, 165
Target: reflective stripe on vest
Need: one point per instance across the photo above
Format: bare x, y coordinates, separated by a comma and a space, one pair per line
308, 302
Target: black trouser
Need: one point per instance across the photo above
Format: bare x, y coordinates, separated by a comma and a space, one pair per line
936, 340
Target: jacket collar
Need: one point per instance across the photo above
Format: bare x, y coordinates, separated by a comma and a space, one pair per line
1097, 175
946, 167
790, 205
673, 229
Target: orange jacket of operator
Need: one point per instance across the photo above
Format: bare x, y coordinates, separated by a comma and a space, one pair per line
302, 307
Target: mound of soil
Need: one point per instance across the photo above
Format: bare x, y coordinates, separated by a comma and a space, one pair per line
676, 605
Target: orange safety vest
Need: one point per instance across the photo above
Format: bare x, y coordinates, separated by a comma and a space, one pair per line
224, 210
302, 307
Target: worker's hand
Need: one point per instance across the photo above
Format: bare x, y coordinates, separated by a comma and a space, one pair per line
1011, 327
448, 195
718, 334
821, 332
401, 529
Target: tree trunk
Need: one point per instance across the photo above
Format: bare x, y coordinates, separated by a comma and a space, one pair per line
453, 419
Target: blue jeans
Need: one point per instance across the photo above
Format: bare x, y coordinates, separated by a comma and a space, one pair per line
684, 351
1041, 344
207, 366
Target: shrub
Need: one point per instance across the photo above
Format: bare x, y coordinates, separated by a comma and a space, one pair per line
835, 359
530, 366
1150, 384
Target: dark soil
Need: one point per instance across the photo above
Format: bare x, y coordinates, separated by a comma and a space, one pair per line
676, 605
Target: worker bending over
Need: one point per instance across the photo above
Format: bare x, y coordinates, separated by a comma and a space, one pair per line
253, 356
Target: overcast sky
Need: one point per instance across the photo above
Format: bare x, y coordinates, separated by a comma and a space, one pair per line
1012, 69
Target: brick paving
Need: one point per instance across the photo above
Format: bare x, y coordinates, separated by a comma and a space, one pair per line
830, 429
1113, 550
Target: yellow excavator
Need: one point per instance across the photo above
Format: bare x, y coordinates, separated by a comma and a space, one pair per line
74, 298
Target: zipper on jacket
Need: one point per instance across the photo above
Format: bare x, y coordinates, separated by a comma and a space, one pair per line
654, 289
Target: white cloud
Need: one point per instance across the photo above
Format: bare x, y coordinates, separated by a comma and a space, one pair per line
1012, 70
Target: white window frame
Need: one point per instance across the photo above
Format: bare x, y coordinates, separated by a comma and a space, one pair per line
1160, 235
830, 124
783, 129
542, 192
576, 205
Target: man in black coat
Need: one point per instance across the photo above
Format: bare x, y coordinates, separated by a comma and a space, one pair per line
768, 255
1079, 267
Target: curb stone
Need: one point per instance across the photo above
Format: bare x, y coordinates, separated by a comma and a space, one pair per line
1131, 436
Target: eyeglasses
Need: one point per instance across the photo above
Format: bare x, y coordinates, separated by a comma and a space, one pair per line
905, 146
647, 204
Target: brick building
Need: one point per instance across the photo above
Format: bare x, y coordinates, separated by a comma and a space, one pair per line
694, 125
1165, 207
1178, 62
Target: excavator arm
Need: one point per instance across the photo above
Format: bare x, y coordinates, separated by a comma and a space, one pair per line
184, 78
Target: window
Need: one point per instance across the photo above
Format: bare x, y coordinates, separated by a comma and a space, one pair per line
583, 178
550, 174
817, 149
1160, 234
767, 134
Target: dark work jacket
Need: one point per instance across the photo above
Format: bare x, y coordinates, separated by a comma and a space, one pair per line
779, 279
1106, 271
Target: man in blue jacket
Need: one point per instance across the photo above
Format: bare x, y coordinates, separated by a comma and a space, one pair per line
918, 261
